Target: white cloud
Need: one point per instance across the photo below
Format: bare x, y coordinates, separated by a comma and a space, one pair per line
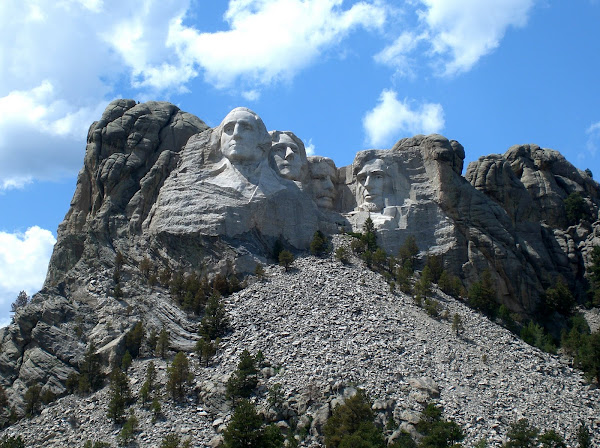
398, 53
24, 261
392, 118
452, 34
270, 40
310, 147
466, 30
58, 71
251, 95
41, 135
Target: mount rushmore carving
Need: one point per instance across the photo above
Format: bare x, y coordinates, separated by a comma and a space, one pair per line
158, 181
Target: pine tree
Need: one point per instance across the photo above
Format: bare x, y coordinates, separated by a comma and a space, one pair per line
457, 324
178, 377
120, 395
245, 378
90, 377
21, 300
162, 344
215, 322
134, 339
33, 400
318, 244
286, 258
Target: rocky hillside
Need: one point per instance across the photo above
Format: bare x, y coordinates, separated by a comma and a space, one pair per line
326, 327
161, 189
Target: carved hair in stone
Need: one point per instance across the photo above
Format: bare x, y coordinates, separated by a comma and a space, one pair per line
288, 156
323, 177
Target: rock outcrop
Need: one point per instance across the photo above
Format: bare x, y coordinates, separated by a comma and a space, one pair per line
158, 184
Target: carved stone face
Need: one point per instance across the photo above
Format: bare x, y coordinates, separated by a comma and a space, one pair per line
323, 174
287, 158
241, 137
370, 186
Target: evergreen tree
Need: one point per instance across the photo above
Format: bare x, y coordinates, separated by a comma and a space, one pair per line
576, 208
162, 344
436, 267
245, 378
149, 383
90, 377
584, 439
33, 400
127, 433
215, 322
423, 285
207, 349
134, 339
551, 439
482, 295
259, 271
436, 432
341, 253
352, 422
457, 324
21, 300
120, 395
126, 361
408, 253
12, 442
594, 275
319, 245
170, 441
559, 298
369, 236
245, 430
286, 258
179, 376
522, 435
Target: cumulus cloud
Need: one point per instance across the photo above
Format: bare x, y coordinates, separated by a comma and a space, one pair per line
270, 40
40, 135
392, 118
454, 34
59, 72
24, 261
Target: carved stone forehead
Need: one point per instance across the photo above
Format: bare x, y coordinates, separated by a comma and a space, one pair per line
321, 167
245, 114
373, 165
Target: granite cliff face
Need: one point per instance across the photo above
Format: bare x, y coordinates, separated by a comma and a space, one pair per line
157, 183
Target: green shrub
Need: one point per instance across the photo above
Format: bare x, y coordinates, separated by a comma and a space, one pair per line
286, 258
482, 295
575, 208
319, 245
120, 395
215, 322
179, 376
352, 422
244, 379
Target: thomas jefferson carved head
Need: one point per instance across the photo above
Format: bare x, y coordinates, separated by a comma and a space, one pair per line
288, 155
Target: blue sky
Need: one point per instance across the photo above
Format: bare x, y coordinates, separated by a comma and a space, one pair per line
343, 75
